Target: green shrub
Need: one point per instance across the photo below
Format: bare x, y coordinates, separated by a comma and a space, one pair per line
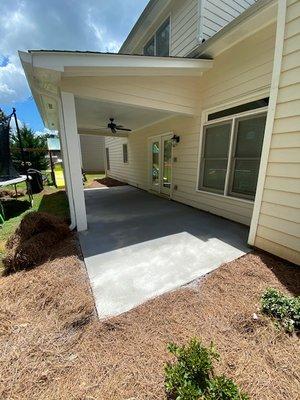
191, 377
222, 388
286, 310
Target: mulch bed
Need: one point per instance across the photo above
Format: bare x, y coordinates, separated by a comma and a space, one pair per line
106, 182
53, 347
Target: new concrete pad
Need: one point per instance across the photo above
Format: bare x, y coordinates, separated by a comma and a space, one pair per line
139, 246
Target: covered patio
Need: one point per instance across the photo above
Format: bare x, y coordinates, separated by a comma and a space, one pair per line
140, 245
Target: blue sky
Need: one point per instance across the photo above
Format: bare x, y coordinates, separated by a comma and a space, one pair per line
98, 25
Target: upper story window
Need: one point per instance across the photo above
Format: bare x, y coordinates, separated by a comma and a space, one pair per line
159, 44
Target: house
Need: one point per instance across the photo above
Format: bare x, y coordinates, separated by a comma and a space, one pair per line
92, 153
211, 92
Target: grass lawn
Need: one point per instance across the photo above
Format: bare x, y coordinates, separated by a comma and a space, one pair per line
49, 200
91, 176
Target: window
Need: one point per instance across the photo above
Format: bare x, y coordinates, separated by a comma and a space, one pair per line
149, 49
253, 105
107, 158
231, 152
215, 156
125, 153
163, 40
159, 44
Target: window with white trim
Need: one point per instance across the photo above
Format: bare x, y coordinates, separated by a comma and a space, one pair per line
125, 153
231, 151
159, 44
107, 158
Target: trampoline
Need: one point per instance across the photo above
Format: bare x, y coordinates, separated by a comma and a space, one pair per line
8, 173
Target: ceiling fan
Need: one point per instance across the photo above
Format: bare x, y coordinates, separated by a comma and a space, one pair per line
115, 128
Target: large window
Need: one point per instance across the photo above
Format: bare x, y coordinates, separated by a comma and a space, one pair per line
125, 153
231, 151
107, 158
159, 44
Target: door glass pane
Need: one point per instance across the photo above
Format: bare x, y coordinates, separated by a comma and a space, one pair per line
149, 48
167, 163
214, 174
217, 141
250, 136
163, 40
245, 177
155, 163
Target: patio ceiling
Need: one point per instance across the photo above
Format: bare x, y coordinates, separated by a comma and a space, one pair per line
93, 116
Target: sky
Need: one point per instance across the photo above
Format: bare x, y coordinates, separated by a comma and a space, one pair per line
96, 25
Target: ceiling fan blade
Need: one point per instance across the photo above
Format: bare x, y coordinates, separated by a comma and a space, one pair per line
113, 129
124, 129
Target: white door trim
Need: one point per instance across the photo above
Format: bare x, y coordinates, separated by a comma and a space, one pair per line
160, 139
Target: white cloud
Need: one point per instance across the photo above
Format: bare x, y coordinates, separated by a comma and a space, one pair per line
97, 25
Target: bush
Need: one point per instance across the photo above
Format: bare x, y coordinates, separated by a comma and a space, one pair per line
192, 376
285, 310
222, 388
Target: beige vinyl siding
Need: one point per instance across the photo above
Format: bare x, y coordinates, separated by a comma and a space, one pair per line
192, 21
279, 220
218, 13
242, 71
92, 153
184, 27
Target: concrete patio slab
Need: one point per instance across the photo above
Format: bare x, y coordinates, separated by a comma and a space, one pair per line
139, 246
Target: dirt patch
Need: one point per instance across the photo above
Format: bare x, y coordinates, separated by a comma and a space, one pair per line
12, 194
106, 182
53, 347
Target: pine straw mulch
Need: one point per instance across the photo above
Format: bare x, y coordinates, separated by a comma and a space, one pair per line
105, 182
53, 347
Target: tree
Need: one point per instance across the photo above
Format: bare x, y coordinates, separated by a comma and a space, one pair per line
35, 149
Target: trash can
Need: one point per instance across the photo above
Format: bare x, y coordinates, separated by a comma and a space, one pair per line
35, 181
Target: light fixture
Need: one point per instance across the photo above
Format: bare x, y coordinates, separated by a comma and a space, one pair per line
175, 140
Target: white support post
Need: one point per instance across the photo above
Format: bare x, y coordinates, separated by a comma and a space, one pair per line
72, 161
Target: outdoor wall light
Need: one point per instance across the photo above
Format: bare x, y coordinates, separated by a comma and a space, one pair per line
175, 140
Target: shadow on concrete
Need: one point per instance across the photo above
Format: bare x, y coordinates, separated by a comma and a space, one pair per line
122, 217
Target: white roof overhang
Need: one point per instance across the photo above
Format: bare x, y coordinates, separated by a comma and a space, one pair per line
45, 70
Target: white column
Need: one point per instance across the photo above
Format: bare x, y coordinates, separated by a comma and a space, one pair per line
72, 160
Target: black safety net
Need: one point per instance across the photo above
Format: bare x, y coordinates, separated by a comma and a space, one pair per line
7, 170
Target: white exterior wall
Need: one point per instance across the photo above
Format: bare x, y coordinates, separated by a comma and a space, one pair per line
239, 75
278, 228
92, 152
118, 169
